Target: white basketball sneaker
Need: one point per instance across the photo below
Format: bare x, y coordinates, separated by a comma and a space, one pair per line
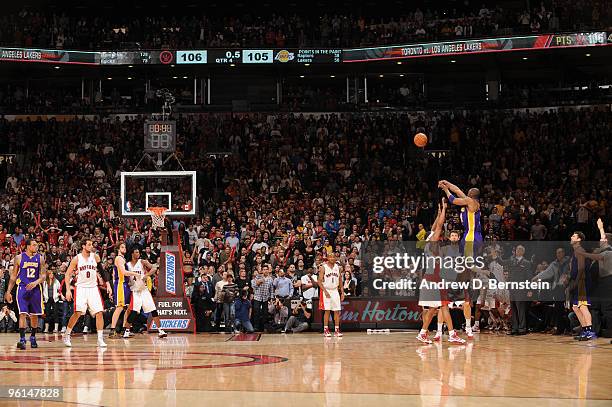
422, 337
67, 340
454, 338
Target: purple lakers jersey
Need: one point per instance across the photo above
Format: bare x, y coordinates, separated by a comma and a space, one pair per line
471, 225
29, 269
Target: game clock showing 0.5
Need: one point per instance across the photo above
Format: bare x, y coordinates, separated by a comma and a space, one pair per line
160, 137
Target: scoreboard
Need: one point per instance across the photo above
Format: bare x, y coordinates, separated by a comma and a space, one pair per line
160, 136
281, 56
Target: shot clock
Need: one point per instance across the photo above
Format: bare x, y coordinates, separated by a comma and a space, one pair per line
160, 136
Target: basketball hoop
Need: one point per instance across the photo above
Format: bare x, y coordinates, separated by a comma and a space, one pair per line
158, 215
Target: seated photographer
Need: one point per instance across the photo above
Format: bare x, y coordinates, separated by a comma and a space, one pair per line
8, 319
298, 321
242, 307
279, 312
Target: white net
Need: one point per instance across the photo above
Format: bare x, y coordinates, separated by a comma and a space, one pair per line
158, 216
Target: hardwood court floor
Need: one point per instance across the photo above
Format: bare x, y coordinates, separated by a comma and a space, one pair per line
308, 370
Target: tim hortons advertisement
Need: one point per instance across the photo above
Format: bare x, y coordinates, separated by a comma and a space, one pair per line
396, 313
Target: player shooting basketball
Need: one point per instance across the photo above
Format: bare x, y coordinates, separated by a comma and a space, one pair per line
471, 240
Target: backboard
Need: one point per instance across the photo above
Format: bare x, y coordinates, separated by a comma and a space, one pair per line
175, 190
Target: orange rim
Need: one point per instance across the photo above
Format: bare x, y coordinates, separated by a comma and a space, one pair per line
157, 210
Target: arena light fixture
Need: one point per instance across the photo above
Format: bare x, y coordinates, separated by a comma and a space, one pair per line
175, 77
130, 66
381, 75
129, 78
587, 55
332, 76
306, 64
56, 67
232, 64
525, 58
453, 61
109, 78
185, 77
399, 62
301, 76
401, 75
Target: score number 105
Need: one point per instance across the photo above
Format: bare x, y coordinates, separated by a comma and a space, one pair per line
257, 56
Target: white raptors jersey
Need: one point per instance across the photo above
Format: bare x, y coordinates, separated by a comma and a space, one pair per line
332, 276
87, 269
136, 268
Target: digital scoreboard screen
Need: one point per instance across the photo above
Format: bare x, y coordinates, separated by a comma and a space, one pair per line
53, 56
160, 136
224, 56
522, 43
280, 56
319, 56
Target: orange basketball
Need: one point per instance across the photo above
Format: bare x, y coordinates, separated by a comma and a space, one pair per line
420, 140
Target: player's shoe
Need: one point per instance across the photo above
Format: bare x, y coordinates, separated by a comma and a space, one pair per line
21, 344
580, 335
454, 338
161, 333
437, 337
101, 343
85, 330
326, 333
476, 329
338, 333
588, 335
67, 340
127, 334
33, 343
423, 338
469, 334
113, 335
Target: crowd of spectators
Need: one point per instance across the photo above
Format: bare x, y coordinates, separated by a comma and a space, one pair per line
294, 186
64, 31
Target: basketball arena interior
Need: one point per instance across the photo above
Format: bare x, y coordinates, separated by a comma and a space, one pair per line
306, 203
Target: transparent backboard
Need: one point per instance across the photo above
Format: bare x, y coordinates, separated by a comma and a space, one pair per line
175, 190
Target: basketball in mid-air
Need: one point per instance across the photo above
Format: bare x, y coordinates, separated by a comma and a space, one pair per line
420, 140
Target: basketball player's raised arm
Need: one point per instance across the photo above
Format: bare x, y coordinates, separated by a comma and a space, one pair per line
460, 199
439, 222
16, 263
452, 188
68, 277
